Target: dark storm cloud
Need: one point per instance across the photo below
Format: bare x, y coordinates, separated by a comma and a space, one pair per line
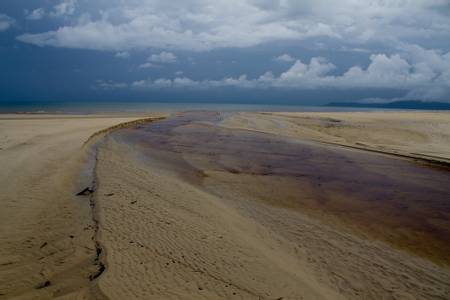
404, 42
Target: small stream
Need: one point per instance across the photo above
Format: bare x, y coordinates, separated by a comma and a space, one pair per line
392, 199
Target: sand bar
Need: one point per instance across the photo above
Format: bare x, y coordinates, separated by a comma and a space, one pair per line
192, 209
416, 134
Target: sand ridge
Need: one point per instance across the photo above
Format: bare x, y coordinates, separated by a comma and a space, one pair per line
416, 134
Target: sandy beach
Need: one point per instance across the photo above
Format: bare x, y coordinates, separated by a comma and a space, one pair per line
418, 134
224, 150
47, 245
226, 206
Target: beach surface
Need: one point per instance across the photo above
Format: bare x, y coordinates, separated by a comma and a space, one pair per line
195, 207
47, 243
416, 134
210, 205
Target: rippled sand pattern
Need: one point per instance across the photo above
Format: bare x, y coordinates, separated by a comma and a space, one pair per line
191, 210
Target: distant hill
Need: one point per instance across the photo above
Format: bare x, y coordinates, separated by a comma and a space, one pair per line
408, 104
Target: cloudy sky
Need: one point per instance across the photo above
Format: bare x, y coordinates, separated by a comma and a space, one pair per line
280, 51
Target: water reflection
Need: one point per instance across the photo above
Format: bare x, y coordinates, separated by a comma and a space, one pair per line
395, 200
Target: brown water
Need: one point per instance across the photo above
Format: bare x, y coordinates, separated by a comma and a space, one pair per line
375, 196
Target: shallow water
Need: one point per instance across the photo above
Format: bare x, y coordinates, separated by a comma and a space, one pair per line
376, 196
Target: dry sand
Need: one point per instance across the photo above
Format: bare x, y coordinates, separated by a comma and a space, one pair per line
46, 233
416, 134
163, 237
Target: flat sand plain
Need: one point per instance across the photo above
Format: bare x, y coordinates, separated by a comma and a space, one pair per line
416, 134
164, 235
46, 233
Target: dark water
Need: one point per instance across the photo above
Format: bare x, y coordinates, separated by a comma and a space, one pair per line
396, 200
92, 107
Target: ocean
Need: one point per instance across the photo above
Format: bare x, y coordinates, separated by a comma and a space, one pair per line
94, 107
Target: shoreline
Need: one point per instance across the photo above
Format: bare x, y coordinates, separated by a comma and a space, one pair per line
103, 132
343, 137
93, 143
431, 162
148, 223
178, 228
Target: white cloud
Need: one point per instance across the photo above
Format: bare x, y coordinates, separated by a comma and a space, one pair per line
421, 73
147, 65
36, 14
208, 24
409, 71
285, 58
163, 58
5, 22
384, 71
65, 8
310, 74
122, 54
109, 85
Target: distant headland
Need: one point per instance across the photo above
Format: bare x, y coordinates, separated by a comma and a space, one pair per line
407, 104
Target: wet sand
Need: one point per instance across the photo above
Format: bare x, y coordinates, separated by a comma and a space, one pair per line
191, 208
417, 134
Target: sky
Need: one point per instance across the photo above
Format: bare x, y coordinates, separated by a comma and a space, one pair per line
237, 51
